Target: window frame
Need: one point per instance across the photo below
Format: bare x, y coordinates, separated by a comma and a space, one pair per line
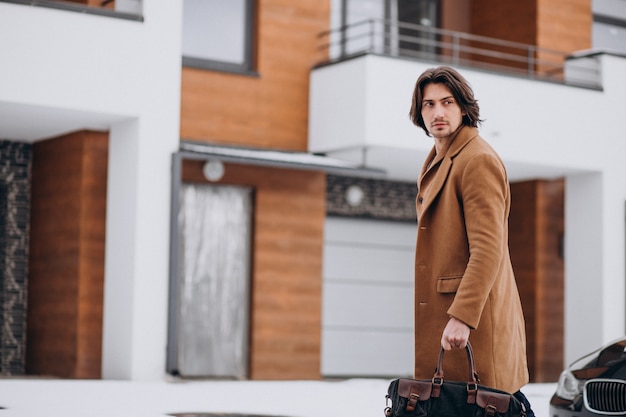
248, 67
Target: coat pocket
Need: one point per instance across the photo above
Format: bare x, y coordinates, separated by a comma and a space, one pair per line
448, 285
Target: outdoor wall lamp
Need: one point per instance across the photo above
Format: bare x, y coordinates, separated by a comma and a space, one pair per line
213, 170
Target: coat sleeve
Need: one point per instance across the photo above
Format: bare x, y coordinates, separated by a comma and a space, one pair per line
485, 199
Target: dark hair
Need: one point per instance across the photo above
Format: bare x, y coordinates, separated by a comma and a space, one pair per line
459, 88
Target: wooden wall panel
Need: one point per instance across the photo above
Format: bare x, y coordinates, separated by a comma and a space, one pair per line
535, 240
455, 14
550, 307
567, 32
513, 21
523, 248
108, 4
538, 22
290, 207
271, 109
66, 265
91, 257
508, 20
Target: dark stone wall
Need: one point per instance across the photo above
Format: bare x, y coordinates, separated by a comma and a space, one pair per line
381, 199
15, 164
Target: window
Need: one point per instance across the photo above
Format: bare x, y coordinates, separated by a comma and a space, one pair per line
609, 25
218, 34
377, 26
609, 34
423, 13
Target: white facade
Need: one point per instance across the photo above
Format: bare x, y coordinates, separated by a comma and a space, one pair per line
64, 71
359, 111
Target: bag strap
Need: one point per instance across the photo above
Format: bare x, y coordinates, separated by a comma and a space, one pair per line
472, 381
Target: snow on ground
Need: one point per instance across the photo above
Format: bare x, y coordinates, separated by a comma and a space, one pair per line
31, 397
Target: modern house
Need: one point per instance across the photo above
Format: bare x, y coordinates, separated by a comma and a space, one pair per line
226, 189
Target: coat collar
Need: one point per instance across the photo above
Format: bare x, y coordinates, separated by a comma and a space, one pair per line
444, 159
455, 145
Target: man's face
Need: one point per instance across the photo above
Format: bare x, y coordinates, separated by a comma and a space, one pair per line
441, 113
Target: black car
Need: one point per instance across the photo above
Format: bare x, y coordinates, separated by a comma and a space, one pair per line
594, 385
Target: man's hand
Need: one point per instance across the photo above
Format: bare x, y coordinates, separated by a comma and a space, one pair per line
455, 335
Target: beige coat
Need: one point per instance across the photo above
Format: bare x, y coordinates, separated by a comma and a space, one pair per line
462, 265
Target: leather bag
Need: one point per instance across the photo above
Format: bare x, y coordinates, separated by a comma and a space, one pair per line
440, 398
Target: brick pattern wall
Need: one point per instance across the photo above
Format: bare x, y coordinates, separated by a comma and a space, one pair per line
382, 199
15, 164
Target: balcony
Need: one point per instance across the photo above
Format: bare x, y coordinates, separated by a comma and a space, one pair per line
414, 41
361, 88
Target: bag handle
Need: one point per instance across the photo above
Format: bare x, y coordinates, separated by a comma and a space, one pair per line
472, 381
473, 376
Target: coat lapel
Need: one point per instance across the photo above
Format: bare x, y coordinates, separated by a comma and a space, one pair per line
442, 169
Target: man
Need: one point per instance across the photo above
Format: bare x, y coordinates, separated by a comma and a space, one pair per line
464, 282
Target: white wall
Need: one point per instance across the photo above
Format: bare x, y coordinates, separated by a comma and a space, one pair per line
126, 76
541, 130
372, 95
367, 303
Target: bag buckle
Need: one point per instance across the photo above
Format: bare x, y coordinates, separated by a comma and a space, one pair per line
437, 383
414, 397
490, 410
472, 389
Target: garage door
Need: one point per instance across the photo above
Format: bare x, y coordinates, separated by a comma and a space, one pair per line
367, 315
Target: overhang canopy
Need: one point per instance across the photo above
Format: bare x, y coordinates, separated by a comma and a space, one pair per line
279, 159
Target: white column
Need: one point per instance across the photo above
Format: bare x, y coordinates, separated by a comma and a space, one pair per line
613, 152
138, 205
137, 252
595, 223
614, 256
120, 265
584, 272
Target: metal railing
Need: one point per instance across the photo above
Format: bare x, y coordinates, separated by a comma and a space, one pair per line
409, 40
